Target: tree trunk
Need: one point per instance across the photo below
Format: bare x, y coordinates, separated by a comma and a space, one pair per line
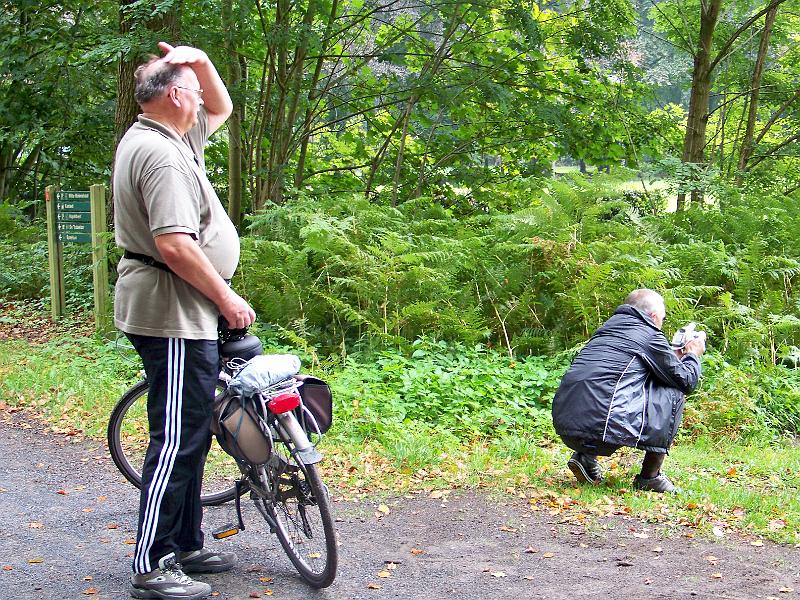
755, 89
234, 72
127, 110
695, 139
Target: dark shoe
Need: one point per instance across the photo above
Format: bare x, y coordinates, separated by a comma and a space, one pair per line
168, 582
660, 483
207, 561
585, 468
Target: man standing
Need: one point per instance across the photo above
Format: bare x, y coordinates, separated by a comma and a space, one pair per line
180, 250
626, 388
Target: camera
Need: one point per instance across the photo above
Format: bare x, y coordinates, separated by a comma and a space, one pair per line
686, 334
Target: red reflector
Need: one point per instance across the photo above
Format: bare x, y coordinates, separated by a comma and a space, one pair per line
284, 402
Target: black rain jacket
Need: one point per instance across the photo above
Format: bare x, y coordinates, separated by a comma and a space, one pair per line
626, 387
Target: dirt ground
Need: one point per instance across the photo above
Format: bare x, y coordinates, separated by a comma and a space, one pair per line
67, 520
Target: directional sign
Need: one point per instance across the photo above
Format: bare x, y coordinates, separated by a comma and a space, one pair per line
73, 216
75, 227
77, 206
74, 237
84, 217
81, 195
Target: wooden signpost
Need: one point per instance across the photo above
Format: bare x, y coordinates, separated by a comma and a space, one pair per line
78, 217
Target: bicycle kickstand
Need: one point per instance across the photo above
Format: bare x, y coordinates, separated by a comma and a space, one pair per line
232, 528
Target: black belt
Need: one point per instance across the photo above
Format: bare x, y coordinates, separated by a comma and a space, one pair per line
152, 262
148, 260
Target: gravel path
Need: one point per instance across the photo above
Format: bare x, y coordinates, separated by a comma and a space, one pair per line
67, 519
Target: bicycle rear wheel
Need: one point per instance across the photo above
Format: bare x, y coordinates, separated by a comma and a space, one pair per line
301, 511
128, 436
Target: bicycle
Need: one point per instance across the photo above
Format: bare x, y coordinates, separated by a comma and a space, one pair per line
286, 488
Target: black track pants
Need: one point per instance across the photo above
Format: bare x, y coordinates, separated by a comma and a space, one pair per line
183, 376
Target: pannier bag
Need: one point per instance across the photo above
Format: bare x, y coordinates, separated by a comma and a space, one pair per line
235, 422
317, 398
236, 426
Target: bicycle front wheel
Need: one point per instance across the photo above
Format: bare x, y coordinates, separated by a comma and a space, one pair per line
301, 511
129, 434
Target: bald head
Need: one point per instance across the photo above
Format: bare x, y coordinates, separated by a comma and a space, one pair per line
153, 78
649, 302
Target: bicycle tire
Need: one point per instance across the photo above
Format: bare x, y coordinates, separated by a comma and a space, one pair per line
130, 465
317, 564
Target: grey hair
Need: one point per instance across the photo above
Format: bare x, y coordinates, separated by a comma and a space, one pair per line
153, 82
646, 300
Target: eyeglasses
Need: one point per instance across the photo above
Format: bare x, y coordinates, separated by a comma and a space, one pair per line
198, 92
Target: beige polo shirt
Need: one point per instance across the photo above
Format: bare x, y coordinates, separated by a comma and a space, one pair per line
160, 186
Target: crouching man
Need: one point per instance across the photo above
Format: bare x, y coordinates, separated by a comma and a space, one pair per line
627, 388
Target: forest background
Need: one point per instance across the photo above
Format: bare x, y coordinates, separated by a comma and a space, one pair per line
424, 218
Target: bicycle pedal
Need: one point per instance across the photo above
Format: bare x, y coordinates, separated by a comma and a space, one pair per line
220, 533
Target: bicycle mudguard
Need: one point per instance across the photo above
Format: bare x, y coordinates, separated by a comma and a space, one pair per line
309, 456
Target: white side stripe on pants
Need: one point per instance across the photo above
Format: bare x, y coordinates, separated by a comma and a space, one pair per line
166, 460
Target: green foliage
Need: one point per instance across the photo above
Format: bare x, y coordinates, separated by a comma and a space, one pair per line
74, 381
468, 391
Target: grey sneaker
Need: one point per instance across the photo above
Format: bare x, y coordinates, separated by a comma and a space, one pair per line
168, 582
660, 483
207, 561
585, 468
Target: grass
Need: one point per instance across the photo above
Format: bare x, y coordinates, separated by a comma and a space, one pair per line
726, 486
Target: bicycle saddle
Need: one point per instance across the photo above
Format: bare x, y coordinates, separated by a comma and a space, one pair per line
245, 347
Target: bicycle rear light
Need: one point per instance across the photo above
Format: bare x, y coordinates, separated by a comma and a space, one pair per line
284, 402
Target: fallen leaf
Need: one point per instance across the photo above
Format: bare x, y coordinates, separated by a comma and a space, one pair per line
374, 586
776, 524
36, 561
214, 594
36, 525
786, 590
8, 568
648, 581
268, 592
88, 578
255, 595
265, 579
314, 555
717, 575
757, 543
112, 526
130, 541
530, 550
498, 574
417, 551
102, 498
384, 574
508, 529
88, 509
548, 555
384, 509
731, 472
717, 531
529, 577
89, 591
62, 492
658, 549
643, 536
